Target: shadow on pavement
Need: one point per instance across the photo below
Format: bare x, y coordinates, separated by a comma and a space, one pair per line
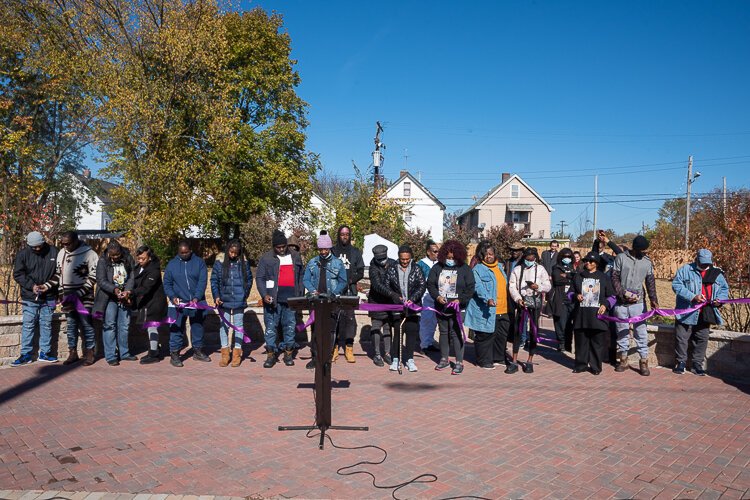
45, 374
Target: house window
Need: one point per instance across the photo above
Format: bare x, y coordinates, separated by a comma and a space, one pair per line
407, 218
407, 189
515, 191
520, 217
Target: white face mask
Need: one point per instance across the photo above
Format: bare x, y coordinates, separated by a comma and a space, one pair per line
450, 262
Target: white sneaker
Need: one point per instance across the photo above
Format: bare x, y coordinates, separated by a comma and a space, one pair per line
394, 365
411, 366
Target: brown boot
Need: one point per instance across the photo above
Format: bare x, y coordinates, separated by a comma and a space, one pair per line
335, 355
224, 361
88, 357
72, 357
622, 363
236, 357
349, 354
643, 365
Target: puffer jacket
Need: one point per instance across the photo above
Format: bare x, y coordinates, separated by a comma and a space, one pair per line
688, 283
415, 285
32, 268
233, 291
378, 285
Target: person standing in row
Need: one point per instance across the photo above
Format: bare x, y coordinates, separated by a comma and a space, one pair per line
406, 284
595, 295
428, 319
351, 258
560, 304
549, 257
149, 299
527, 284
74, 278
487, 312
699, 282
185, 280
630, 270
34, 265
279, 277
115, 280
324, 275
451, 285
382, 323
231, 282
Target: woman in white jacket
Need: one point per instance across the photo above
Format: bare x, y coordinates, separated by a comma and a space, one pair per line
527, 284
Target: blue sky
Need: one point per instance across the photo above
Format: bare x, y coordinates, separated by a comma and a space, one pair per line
553, 91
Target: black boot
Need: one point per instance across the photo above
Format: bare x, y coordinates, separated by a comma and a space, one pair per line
270, 360
288, 358
151, 357
198, 355
310, 364
174, 359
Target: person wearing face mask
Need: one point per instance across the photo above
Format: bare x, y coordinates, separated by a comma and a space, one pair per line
451, 281
630, 270
34, 265
382, 322
527, 284
324, 274
428, 319
595, 295
560, 304
114, 280
699, 282
185, 281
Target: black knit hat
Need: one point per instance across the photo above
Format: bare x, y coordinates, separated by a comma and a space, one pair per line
592, 257
279, 238
640, 243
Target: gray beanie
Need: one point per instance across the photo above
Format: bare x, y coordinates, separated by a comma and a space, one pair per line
35, 239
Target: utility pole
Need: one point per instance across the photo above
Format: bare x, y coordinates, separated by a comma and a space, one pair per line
596, 202
724, 196
562, 229
406, 159
377, 156
687, 204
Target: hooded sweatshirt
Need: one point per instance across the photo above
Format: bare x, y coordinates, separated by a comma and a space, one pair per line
351, 256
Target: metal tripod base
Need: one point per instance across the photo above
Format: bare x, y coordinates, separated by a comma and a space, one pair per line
322, 430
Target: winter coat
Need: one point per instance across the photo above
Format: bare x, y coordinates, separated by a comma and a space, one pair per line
464, 285
687, 283
105, 284
561, 286
148, 293
519, 289
268, 270
186, 279
351, 258
415, 285
480, 316
233, 291
75, 274
378, 288
31, 269
335, 275
604, 293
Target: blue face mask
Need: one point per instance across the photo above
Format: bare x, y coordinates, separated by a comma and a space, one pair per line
450, 262
528, 263
567, 261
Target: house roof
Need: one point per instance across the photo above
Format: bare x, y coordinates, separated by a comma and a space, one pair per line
407, 175
98, 187
492, 192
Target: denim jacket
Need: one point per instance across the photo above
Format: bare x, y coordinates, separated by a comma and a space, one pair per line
687, 284
335, 275
480, 316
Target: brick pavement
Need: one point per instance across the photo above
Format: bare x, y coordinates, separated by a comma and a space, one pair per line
205, 430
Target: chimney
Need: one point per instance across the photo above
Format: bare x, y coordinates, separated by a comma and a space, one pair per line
505, 177
403, 173
87, 173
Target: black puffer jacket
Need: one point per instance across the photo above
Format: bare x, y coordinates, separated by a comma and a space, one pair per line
34, 269
378, 286
416, 286
148, 293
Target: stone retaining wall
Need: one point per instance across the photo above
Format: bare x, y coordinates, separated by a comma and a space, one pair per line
728, 353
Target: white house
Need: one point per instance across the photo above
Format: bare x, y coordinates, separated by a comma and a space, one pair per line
320, 216
422, 210
93, 197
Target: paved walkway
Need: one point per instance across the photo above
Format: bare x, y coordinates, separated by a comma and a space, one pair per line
205, 430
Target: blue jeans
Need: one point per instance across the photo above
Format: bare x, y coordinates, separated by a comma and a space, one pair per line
272, 317
75, 321
115, 331
34, 312
235, 316
640, 331
177, 330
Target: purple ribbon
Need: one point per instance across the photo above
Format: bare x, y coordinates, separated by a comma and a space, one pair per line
669, 312
524, 316
202, 307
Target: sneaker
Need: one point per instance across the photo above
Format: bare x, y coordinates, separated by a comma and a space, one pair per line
199, 355
378, 360
387, 358
151, 357
411, 366
23, 359
698, 370
310, 364
113, 362
431, 348
528, 367
458, 369
394, 365
511, 368
487, 367
47, 357
444, 363
129, 357
174, 359
679, 369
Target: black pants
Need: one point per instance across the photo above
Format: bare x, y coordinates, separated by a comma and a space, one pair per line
590, 348
695, 335
450, 333
534, 315
411, 330
347, 327
564, 326
332, 333
490, 348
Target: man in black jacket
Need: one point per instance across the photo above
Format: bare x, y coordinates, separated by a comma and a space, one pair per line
351, 256
34, 265
382, 322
